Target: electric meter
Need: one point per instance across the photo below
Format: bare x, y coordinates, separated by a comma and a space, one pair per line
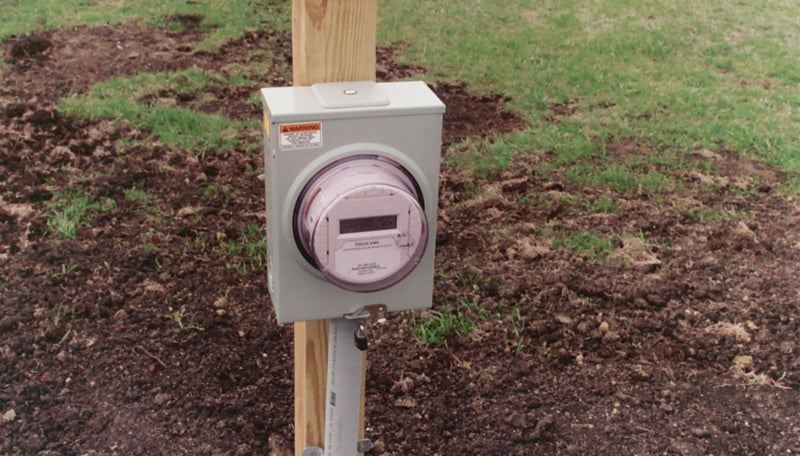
360, 221
352, 186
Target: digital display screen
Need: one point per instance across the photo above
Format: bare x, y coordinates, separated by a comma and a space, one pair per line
359, 225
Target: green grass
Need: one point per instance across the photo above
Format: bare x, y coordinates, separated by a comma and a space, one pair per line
123, 100
587, 243
248, 252
184, 321
482, 157
221, 20
675, 76
710, 215
71, 209
678, 76
137, 195
223, 192
149, 242
603, 205
616, 177
437, 326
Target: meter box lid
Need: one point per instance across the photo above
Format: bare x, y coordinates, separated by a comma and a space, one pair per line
343, 100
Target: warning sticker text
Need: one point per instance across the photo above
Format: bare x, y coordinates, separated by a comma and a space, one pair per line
300, 136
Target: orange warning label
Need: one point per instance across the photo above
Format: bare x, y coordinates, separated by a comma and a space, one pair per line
296, 128
300, 136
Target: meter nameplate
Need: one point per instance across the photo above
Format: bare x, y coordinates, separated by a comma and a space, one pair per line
383, 255
300, 136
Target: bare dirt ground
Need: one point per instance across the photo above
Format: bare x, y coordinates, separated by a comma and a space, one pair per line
145, 335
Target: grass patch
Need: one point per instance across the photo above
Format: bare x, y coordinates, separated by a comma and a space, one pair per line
221, 20
476, 280
223, 192
71, 209
435, 327
587, 243
676, 76
249, 252
617, 178
176, 127
681, 75
709, 215
184, 321
527, 200
137, 195
482, 157
148, 244
519, 342
121, 100
603, 205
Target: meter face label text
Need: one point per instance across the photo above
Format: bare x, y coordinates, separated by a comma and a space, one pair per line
368, 259
300, 136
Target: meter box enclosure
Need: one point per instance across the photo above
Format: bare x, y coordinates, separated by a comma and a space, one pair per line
352, 176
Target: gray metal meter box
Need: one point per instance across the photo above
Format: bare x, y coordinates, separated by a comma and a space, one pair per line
352, 176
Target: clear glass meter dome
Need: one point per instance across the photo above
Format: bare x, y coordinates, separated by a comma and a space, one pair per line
361, 222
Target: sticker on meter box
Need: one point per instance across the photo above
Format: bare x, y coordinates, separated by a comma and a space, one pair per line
300, 136
369, 258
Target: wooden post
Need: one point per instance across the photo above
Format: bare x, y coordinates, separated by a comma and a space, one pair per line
332, 40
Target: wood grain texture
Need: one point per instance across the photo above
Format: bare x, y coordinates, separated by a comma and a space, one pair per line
331, 41
310, 370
